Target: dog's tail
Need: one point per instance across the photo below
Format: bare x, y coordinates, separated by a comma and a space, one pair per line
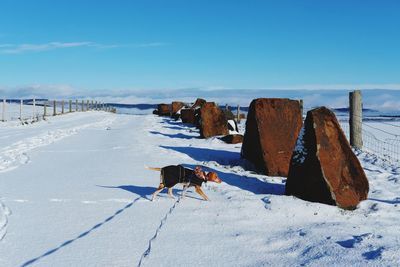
153, 168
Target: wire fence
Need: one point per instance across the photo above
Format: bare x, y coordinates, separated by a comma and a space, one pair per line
31, 110
378, 137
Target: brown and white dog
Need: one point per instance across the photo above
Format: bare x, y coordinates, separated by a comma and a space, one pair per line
177, 174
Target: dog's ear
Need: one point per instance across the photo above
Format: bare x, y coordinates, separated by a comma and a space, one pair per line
213, 177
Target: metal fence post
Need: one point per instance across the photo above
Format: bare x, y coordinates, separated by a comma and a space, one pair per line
355, 120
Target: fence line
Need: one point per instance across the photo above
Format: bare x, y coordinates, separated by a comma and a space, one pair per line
33, 110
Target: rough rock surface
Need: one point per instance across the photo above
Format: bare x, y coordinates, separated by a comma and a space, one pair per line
272, 128
164, 109
232, 138
176, 106
212, 121
188, 115
323, 167
199, 103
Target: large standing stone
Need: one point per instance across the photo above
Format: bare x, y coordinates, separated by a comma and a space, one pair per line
176, 106
164, 110
212, 121
323, 166
199, 103
272, 127
188, 115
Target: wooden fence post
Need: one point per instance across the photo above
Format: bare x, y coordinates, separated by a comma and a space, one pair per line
62, 106
76, 104
70, 105
87, 105
3, 117
238, 114
44, 109
301, 107
21, 102
355, 120
34, 109
54, 107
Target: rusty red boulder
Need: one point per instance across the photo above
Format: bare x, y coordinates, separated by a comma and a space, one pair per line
212, 121
189, 115
272, 128
232, 138
199, 103
323, 167
164, 109
176, 106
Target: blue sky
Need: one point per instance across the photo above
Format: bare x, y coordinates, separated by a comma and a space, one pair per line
149, 44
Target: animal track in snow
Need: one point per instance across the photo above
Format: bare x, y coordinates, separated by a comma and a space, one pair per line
4, 213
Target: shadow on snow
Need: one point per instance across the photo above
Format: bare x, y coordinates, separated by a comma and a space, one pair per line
250, 184
83, 234
178, 135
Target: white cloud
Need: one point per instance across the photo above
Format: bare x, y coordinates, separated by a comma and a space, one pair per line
25, 48
375, 99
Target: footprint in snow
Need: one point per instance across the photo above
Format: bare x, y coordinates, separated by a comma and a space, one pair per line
373, 254
350, 243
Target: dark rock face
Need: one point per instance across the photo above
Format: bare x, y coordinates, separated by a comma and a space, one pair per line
164, 110
232, 138
199, 103
189, 115
323, 167
272, 128
212, 121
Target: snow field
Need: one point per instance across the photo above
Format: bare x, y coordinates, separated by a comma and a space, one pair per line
83, 200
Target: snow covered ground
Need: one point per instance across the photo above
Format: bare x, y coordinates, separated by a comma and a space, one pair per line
74, 192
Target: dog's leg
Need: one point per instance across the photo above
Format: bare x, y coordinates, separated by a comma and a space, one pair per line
201, 193
185, 187
170, 193
159, 189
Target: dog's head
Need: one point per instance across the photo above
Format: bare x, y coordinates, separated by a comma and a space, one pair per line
213, 177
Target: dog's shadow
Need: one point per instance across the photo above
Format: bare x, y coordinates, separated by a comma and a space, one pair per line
250, 184
147, 191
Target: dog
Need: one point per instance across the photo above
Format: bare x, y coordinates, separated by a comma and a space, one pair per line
177, 174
